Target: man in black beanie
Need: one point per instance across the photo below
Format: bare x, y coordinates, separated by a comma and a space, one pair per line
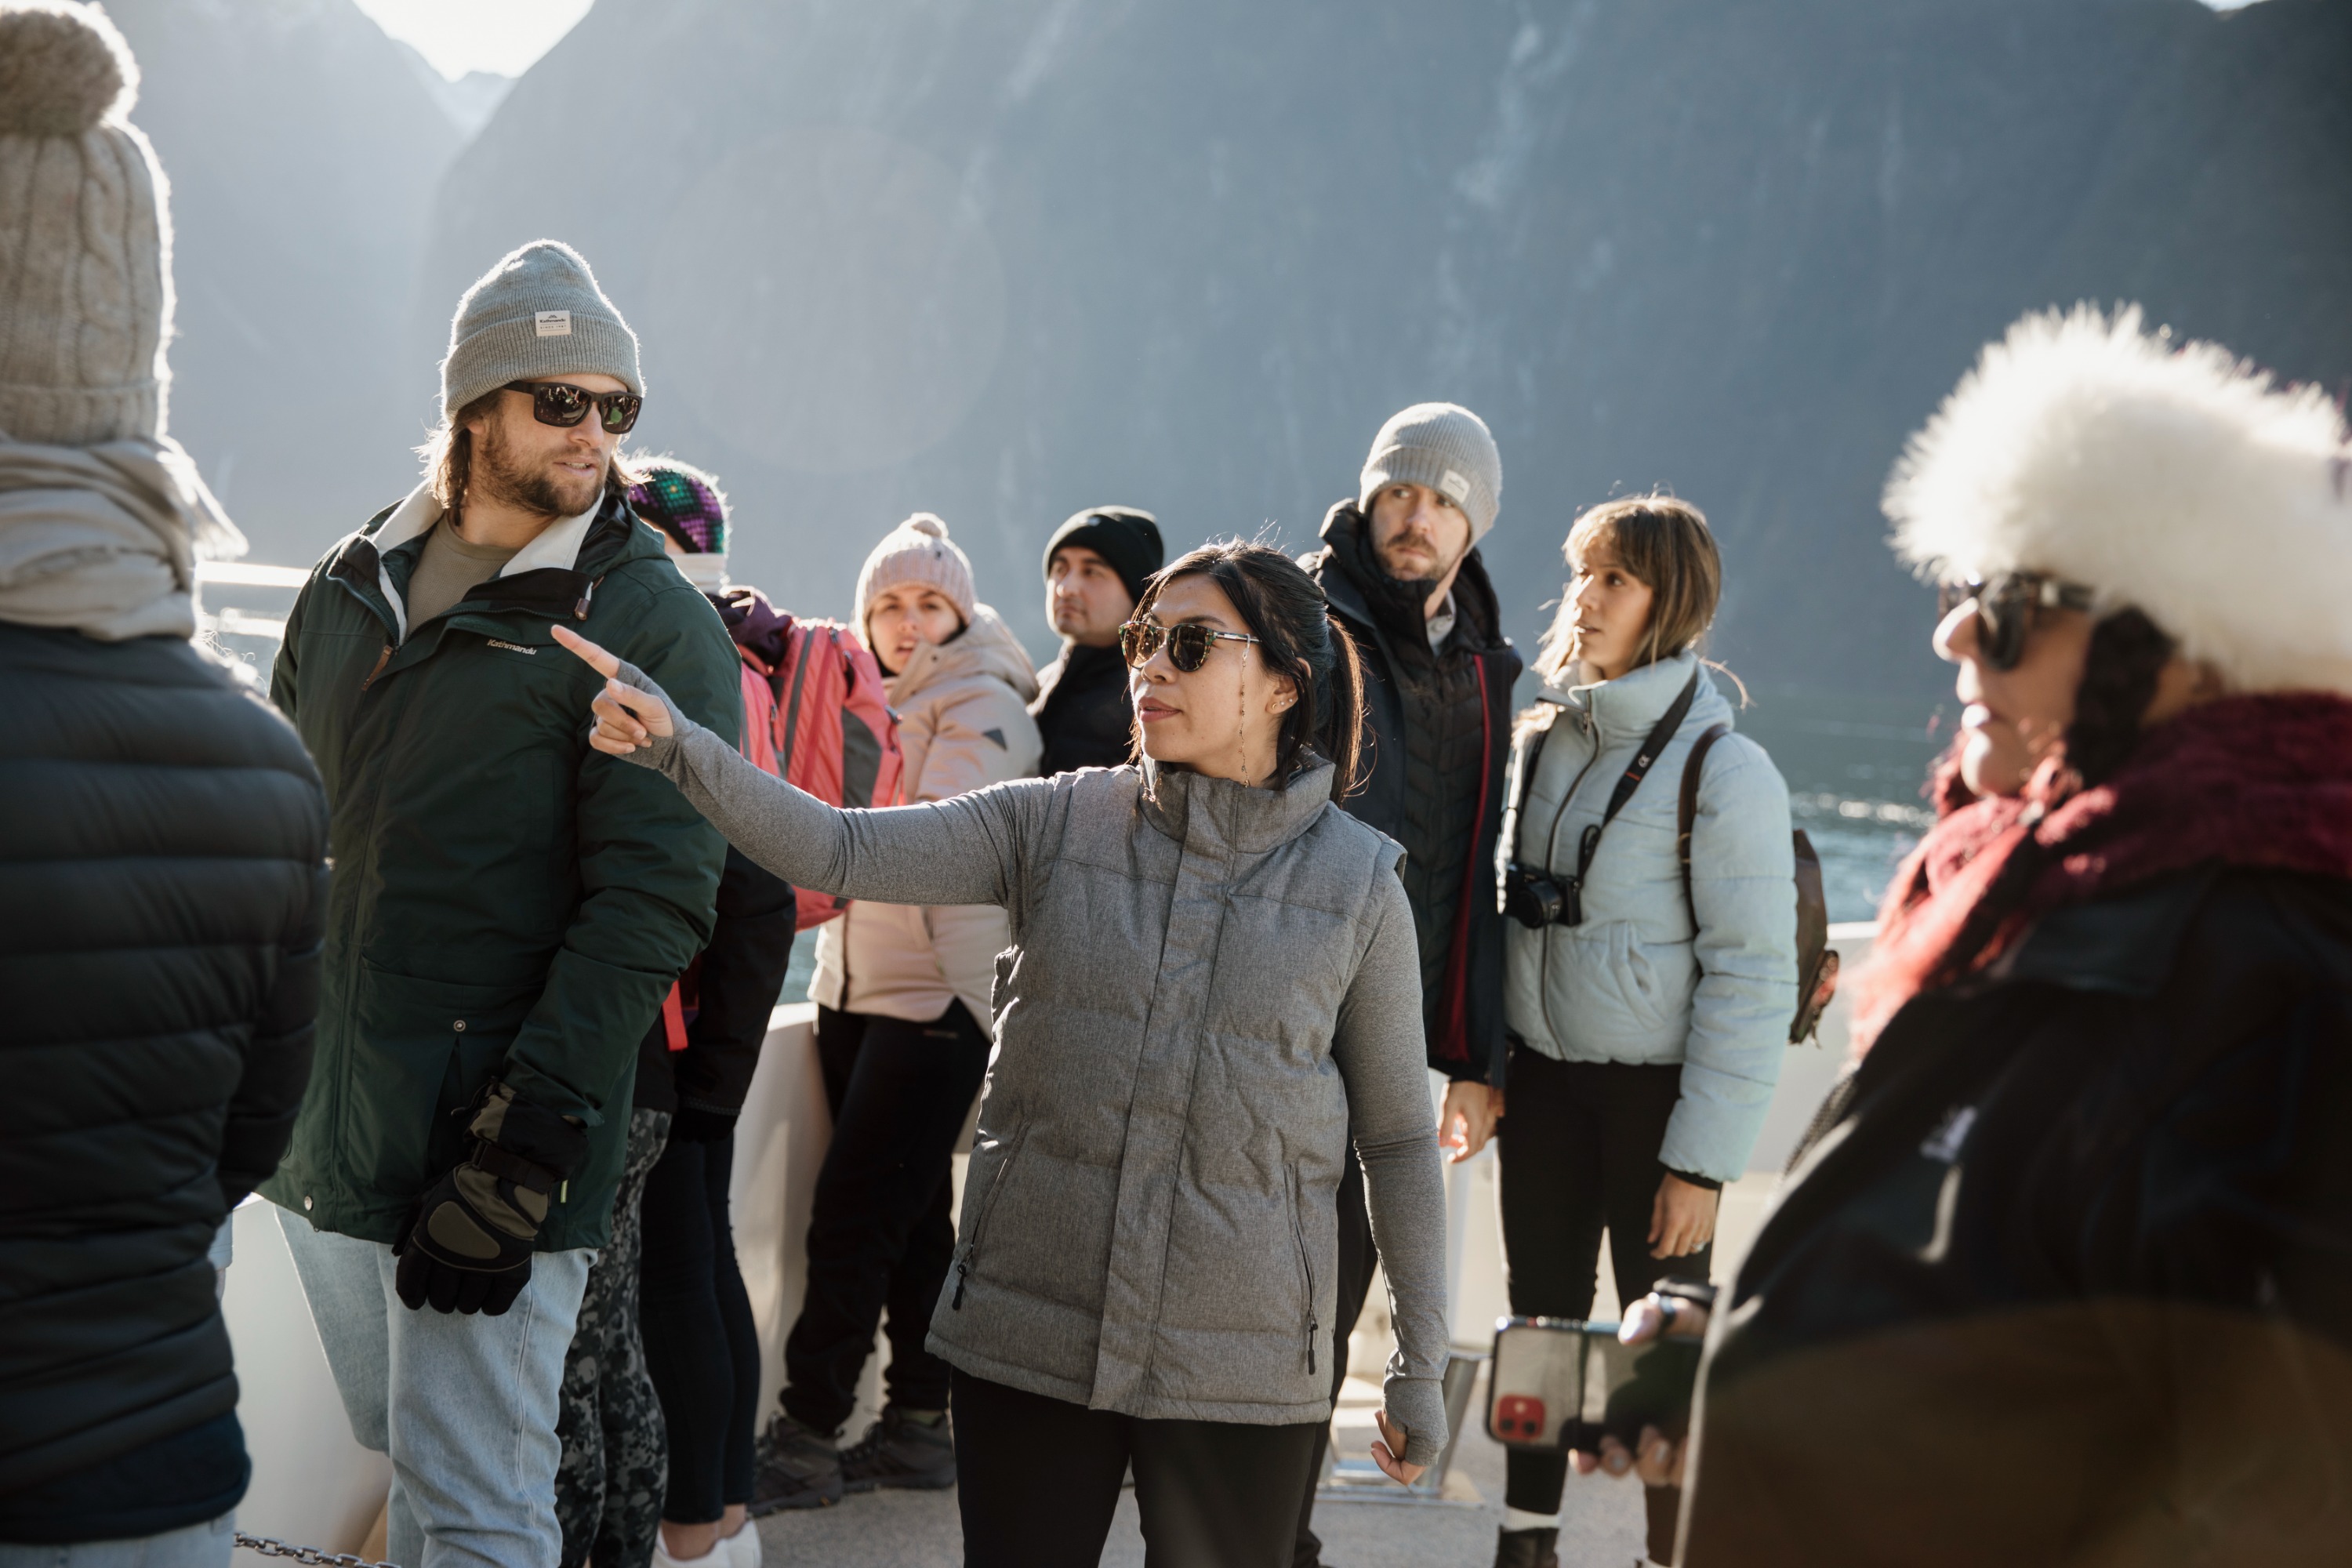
1095, 564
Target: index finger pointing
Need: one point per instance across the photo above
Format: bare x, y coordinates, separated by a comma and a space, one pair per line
600, 661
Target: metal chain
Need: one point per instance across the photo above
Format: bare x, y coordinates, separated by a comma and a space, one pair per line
305, 1555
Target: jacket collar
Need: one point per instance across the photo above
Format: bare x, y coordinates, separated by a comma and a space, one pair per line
1629, 707
554, 573
1355, 587
1187, 807
985, 648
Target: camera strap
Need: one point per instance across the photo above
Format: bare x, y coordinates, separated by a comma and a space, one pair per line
1635, 771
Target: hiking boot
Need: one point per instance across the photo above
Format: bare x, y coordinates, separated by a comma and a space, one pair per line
1526, 1548
899, 1451
798, 1466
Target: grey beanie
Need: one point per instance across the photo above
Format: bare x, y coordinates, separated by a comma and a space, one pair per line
537, 313
1447, 447
86, 252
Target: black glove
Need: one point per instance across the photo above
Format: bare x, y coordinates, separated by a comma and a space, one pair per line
466, 1245
692, 1124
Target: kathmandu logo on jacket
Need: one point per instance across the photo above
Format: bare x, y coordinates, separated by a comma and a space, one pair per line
512, 646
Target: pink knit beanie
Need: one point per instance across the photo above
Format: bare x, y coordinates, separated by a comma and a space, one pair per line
917, 550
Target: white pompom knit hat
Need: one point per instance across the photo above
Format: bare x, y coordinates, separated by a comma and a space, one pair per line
2167, 477
918, 550
86, 243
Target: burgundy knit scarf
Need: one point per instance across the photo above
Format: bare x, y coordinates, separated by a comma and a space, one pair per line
2262, 780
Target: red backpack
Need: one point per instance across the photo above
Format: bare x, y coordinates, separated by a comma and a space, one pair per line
821, 721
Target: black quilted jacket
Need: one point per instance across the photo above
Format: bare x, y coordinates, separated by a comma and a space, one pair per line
161, 879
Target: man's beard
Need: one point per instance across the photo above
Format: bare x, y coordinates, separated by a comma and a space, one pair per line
499, 477
1438, 568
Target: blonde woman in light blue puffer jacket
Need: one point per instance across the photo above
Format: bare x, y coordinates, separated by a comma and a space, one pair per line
1644, 1044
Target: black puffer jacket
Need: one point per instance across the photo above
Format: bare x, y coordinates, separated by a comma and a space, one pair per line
726, 998
1440, 737
161, 881
1084, 714
2068, 1278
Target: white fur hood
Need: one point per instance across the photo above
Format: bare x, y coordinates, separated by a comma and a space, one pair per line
2168, 477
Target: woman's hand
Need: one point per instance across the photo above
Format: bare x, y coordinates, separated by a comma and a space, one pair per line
1387, 1449
1659, 1460
1469, 1117
626, 717
1682, 1220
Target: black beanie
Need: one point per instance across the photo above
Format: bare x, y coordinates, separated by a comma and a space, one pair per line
1127, 537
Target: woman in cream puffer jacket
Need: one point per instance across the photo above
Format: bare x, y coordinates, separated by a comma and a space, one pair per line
964, 724
903, 1021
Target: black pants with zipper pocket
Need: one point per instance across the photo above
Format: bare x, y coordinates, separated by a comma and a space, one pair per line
880, 1235
1579, 1146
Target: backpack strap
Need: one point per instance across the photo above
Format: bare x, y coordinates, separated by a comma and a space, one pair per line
793, 704
1686, 808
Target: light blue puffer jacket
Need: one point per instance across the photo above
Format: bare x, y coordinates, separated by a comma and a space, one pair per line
1634, 983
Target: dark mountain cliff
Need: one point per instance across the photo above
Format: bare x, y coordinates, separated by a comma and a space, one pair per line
1001, 259
303, 153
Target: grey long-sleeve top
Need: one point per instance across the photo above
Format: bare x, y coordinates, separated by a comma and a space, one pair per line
1208, 984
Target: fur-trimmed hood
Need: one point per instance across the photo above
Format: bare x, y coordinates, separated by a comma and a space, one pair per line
2168, 477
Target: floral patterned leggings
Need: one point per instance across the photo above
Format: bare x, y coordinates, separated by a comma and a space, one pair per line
616, 1469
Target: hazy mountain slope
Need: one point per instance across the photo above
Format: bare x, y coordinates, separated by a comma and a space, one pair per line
1002, 259
303, 154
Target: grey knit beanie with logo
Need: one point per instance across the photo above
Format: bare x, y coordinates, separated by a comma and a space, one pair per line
538, 313
1447, 447
86, 240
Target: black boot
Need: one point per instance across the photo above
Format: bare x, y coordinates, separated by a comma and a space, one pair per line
899, 1452
798, 1468
1527, 1549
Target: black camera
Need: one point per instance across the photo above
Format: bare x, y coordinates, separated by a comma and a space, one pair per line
1537, 900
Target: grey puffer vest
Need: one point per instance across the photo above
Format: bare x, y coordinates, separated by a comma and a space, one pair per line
1208, 984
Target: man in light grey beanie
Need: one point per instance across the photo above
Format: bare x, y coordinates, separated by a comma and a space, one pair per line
1400, 567
507, 915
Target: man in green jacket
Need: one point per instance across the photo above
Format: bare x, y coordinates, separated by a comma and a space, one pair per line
506, 913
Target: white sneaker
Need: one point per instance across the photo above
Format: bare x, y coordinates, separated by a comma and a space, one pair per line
743, 1546
719, 1556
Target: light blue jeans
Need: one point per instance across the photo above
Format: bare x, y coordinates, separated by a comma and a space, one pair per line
205, 1545
464, 1404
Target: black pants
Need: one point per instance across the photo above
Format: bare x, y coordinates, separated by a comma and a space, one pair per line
880, 1235
1358, 1262
1038, 1481
702, 1347
1580, 1151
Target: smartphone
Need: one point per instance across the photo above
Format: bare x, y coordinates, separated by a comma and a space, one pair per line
1562, 1382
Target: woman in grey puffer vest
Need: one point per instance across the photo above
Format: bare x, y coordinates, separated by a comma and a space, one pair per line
1647, 1025
1212, 979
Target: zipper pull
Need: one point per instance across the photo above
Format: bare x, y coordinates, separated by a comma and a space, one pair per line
955, 1302
382, 660
1314, 1333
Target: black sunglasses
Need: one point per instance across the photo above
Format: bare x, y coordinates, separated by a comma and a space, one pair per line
1188, 646
561, 404
2006, 605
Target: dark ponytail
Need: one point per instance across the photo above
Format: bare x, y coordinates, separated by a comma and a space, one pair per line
1298, 640
2126, 654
